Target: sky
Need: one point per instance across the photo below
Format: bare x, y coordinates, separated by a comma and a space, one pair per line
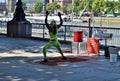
2, 0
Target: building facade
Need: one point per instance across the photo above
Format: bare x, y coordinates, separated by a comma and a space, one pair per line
2, 8
10, 5
7, 6
61, 2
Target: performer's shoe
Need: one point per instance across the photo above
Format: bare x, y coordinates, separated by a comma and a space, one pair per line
64, 58
45, 60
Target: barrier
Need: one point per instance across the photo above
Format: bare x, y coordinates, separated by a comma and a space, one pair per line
113, 54
92, 46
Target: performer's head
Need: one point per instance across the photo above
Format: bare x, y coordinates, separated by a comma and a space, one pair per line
53, 23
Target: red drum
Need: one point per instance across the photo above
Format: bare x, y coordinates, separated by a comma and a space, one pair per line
78, 36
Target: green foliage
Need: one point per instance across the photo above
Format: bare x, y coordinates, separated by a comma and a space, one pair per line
64, 9
51, 7
94, 5
76, 6
110, 7
38, 7
98, 5
117, 7
81, 5
69, 8
24, 6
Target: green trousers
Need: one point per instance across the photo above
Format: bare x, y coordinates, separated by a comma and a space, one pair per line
50, 44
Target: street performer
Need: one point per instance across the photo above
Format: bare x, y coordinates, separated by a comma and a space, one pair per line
53, 30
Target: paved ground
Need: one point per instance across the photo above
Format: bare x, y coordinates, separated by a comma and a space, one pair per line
15, 51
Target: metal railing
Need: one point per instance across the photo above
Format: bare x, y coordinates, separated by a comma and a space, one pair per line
66, 32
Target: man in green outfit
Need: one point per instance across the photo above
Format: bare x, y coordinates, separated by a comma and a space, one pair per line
53, 30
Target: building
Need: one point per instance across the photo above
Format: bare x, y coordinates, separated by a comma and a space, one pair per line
61, 2
7, 6
10, 5
31, 3
47, 1
2, 8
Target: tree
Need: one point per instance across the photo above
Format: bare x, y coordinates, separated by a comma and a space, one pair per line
117, 6
38, 7
64, 9
69, 8
98, 5
76, 6
82, 5
24, 6
51, 7
110, 6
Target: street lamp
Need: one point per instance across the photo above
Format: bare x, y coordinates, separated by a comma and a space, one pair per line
5, 10
72, 10
44, 4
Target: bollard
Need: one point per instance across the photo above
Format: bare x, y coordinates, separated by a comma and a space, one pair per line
113, 54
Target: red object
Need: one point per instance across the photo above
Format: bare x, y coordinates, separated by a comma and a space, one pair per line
92, 45
78, 36
67, 51
56, 61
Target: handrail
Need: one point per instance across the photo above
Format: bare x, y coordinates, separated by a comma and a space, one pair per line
41, 31
71, 25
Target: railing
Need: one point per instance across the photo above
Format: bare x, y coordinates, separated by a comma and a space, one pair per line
3, 27
66, 32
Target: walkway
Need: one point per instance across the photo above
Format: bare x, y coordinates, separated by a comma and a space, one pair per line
15, 51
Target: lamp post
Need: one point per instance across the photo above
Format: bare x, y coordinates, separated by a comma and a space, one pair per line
72, 11
44, 4
5, 10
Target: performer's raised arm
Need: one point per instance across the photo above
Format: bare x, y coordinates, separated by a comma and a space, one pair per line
61, 21
46, 23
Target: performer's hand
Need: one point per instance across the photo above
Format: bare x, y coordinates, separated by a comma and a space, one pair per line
47, 13
59, 14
